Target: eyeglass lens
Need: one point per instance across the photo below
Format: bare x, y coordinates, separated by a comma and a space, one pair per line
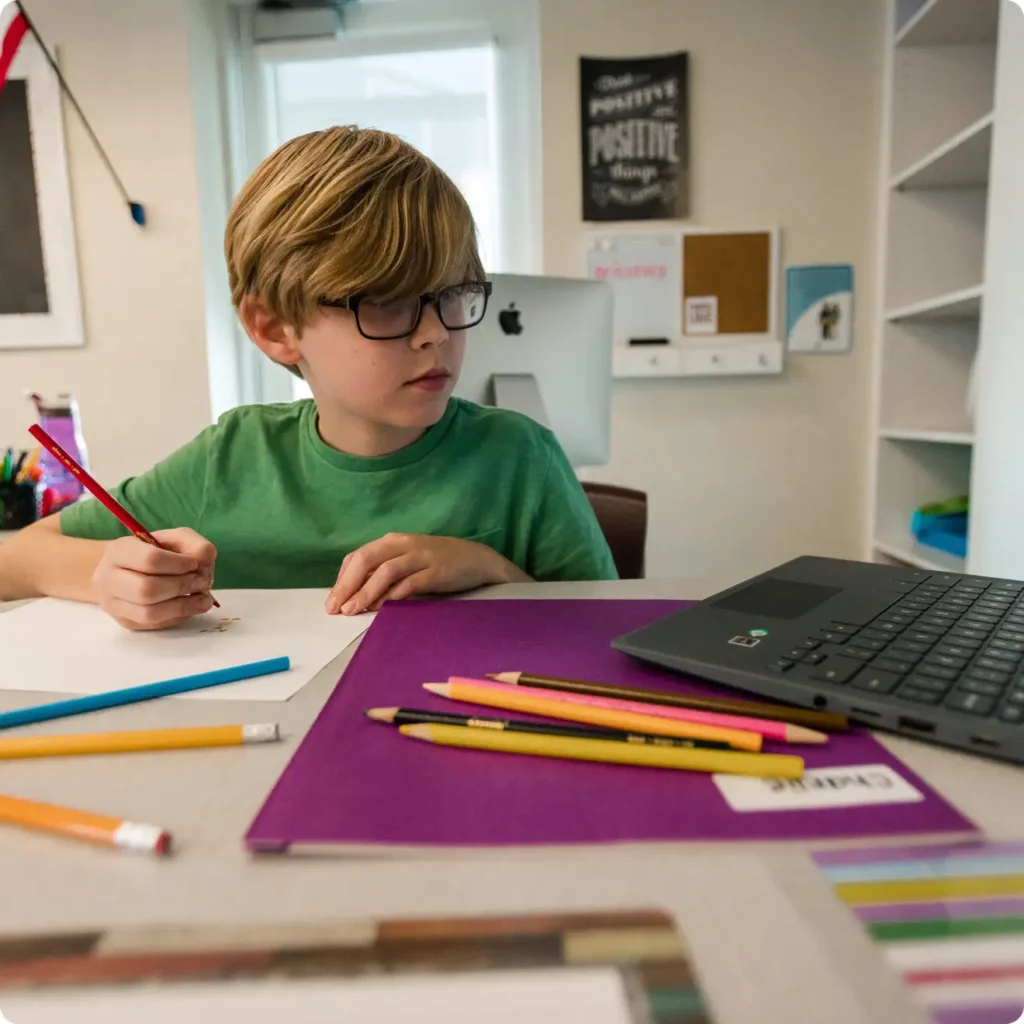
459, 307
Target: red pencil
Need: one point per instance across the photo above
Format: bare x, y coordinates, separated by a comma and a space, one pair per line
123, 516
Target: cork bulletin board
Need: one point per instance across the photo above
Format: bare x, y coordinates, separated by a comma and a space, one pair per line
735, 268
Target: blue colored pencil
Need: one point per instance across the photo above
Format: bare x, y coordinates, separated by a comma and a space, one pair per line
134, 694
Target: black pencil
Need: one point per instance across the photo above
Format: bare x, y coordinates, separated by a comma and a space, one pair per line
412, 716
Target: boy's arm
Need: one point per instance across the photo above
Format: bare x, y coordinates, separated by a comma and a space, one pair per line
40, 561
566, 542
57, 556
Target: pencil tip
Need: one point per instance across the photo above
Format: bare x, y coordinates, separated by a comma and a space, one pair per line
420, 731
506, 677
382, 714
441, 688
799, 734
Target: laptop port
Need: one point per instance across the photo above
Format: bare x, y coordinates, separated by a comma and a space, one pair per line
984, 741
915, 724
865, 712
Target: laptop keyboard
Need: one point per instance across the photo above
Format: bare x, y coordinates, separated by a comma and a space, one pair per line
950, 641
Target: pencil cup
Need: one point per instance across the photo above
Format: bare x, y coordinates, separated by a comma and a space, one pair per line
18, 506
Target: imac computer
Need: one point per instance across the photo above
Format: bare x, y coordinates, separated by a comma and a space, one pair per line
545, 349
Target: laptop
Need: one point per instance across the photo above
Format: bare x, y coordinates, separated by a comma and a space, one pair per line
936, 656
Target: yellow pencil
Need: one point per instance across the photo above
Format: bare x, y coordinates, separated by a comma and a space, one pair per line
125, 742
776, 766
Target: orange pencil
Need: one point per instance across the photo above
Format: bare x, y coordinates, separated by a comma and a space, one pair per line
95, 828
119, 512
513, 699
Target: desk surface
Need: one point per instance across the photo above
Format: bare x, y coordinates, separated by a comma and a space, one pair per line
771, 942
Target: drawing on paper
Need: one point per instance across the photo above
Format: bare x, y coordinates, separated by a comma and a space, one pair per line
220, 626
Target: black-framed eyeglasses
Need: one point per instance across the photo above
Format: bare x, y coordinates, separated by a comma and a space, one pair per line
458, 307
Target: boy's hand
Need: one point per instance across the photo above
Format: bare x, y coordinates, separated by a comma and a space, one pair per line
145, 587
402, 564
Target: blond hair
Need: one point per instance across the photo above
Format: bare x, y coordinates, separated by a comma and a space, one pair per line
345, 211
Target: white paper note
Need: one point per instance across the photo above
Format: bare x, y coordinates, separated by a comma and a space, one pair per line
586, 995
645, 272
846, 786
65, 647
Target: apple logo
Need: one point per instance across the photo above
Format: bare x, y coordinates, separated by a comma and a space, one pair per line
508, 320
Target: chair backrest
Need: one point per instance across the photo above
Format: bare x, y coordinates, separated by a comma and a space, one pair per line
622, 515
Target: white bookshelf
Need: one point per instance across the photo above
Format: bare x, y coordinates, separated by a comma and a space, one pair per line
941, 129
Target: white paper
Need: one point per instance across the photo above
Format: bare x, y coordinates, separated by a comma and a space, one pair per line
702, 314
846, 786
66, 647
592, 995
645, 272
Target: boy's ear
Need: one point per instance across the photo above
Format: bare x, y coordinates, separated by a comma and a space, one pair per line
272, 335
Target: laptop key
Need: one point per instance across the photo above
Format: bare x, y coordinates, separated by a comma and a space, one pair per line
832, 638
886, 627
870, 644
987, 675
915, 647
877, 682
843, 627
917, 637
874, 634
968, 634
977, 620
918, 696
978, 686
955, 650
971, 703
858, 653
811, 645
939, 686
937, 672
904, 654
1000, 661
1015, 697
945, 660
838, 670
887, 664
813, 658
1012, 713
782, 665
1002, 642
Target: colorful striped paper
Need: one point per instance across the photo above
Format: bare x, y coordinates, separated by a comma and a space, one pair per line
949, 917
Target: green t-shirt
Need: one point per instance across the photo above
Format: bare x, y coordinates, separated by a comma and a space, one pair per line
283, 508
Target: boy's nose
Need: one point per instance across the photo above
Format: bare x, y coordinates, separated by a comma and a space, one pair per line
430, 332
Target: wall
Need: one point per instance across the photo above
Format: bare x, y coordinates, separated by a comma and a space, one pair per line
786, 106
141, 379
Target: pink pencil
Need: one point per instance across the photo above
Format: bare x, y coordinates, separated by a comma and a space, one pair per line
780, 731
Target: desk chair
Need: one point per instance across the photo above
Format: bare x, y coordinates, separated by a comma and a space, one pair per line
622, 515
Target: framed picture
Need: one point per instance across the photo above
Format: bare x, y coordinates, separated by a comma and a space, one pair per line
635, 137
40, 303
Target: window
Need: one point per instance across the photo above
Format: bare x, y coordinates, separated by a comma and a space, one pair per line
440, 101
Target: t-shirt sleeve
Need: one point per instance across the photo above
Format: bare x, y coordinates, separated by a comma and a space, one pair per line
566, 542
171, 494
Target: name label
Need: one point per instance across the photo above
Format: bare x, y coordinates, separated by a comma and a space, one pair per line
848, 786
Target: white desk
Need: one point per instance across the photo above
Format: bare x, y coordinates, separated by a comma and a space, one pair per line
772, 944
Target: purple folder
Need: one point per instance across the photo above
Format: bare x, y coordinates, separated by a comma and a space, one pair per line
354, 783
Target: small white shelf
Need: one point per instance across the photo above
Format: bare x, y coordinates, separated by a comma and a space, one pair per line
928, 436
964, 304
952, 23
960, 162
906, 549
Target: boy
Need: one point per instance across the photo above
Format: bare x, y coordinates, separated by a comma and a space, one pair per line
353, 262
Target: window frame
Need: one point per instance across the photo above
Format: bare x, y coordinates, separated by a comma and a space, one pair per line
408, 26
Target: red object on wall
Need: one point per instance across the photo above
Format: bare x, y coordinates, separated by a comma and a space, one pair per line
16, 31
